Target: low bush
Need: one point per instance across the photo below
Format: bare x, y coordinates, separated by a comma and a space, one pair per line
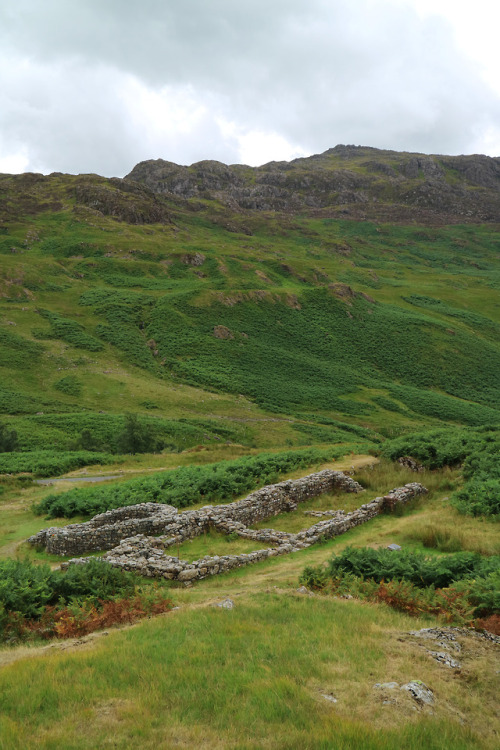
93, 581
79, 619
36, 601
67, 330
50, 463
70, 385
27, 588
477, 450
188, 485
479, 498
419, 569
8, 439
457, 588
436, 448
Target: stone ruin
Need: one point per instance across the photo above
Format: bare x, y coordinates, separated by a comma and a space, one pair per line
410, 463
138, 535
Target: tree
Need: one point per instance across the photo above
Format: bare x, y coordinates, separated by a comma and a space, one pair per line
87, 441
137, 437
8, 439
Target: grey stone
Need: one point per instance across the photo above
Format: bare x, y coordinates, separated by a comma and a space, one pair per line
146, 555
419, 692
329, 697
187, 575
443, 658
226, 604
304, 590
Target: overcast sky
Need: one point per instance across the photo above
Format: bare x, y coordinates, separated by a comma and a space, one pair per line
99, 85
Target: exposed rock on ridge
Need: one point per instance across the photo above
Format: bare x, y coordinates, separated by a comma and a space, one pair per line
345, 180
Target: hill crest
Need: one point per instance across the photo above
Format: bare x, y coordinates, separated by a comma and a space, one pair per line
345, 181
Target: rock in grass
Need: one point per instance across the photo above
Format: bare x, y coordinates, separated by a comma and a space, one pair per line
225, 604
419, 692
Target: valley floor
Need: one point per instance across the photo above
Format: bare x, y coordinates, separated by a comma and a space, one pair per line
280, 669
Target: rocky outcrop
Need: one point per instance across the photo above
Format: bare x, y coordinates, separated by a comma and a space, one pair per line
350, 180
121, 199
410, 463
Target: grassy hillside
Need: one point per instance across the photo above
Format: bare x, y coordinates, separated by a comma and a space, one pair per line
390, 326
170, 339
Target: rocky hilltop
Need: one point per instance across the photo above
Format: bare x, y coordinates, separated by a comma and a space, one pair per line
350, 181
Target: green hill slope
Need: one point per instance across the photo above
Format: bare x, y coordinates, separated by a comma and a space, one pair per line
335, 301
115, 298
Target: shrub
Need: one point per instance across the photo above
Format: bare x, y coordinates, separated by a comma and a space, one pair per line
50, 463
25, 588
479, 498
477, 450
8, 439
137, 437
188, 485
69, 385
422, 571
94, 580
457, 588
69, 331
37, 601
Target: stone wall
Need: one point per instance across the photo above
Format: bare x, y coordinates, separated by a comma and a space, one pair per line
108, 529
146, 556
105, 530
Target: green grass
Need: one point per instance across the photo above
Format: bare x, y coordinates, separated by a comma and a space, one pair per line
212, 543
276, 652
145, 319
236, 679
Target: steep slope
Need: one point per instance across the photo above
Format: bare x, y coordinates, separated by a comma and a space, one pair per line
114, 297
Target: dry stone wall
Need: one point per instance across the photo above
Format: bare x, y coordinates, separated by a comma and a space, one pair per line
108, 529
146, 555
105, 530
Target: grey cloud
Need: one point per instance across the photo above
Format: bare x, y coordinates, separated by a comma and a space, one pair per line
317, 72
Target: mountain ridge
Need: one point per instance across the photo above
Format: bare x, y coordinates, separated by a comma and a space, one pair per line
345, 312
348, 181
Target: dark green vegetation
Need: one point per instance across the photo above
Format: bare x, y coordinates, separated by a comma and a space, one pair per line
27, 588
8, 439
423, 571
49, 463
477, 450
459, 587
116, 433
38, 602
188, 485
